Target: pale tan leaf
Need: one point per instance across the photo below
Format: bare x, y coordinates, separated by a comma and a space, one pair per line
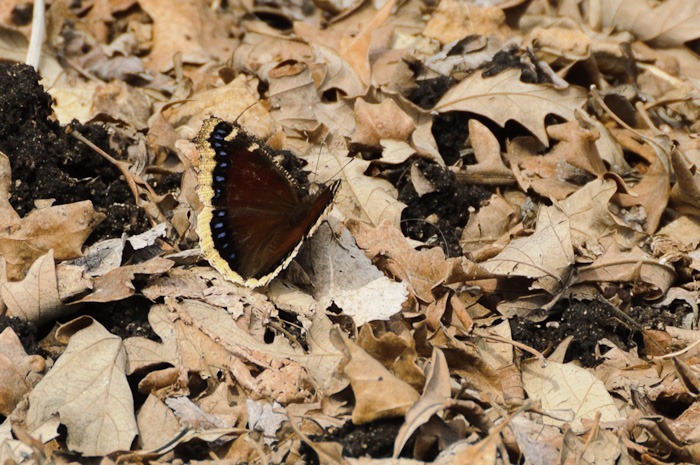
568, 393
545, 257
505, 97
117, 284
156, 422
454, 20
489, 168
368, 199
87, 388
420, 270
62, 228
35, 298
378, 121
343, 276
667, 24
19, 371
651, 276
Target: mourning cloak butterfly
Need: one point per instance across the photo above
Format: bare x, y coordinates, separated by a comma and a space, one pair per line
255, 217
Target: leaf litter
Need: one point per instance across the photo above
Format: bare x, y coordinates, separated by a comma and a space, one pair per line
509, 274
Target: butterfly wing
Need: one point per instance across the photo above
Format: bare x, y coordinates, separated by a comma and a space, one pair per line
254, 218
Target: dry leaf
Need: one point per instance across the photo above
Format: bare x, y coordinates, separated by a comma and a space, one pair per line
370, 382
568, 393
489, 169
343, 276
368, 199
384, 120
651, 277
118, 283
545, 257
20, 372
420, 270
87, 388
62, 228
505, 97
156, 422
35, 298
488, 231
454, 20
669, 23
436, 394
196, 46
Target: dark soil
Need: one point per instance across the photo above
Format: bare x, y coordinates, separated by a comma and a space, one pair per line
591, 321
47, 163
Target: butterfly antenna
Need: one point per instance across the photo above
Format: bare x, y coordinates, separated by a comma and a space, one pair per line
244, 110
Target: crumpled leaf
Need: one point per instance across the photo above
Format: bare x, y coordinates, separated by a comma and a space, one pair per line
651, 277
488, 231
87, 388
454, 20
489, 169
505, 97
545, 257
420, 270
368, 199
377, 121
117, 284
62, 228
568, 393
213, 339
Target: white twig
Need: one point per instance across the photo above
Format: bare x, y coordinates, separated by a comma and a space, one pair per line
37, 38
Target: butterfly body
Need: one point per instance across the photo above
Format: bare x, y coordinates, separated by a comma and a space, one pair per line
255, 217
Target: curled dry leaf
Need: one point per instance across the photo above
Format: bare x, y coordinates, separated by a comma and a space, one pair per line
35, 298
118, 283
379, 121
669, 23
62, 228
368, 199
505, 97
370, 383
88, 390
488, 231
454, 20
436, 394
196, 46
651, 277
20, 372
489, 169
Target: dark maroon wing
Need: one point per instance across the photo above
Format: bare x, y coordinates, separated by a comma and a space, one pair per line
258, 215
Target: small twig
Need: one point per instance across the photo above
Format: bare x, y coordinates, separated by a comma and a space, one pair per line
131, 178
517, 344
